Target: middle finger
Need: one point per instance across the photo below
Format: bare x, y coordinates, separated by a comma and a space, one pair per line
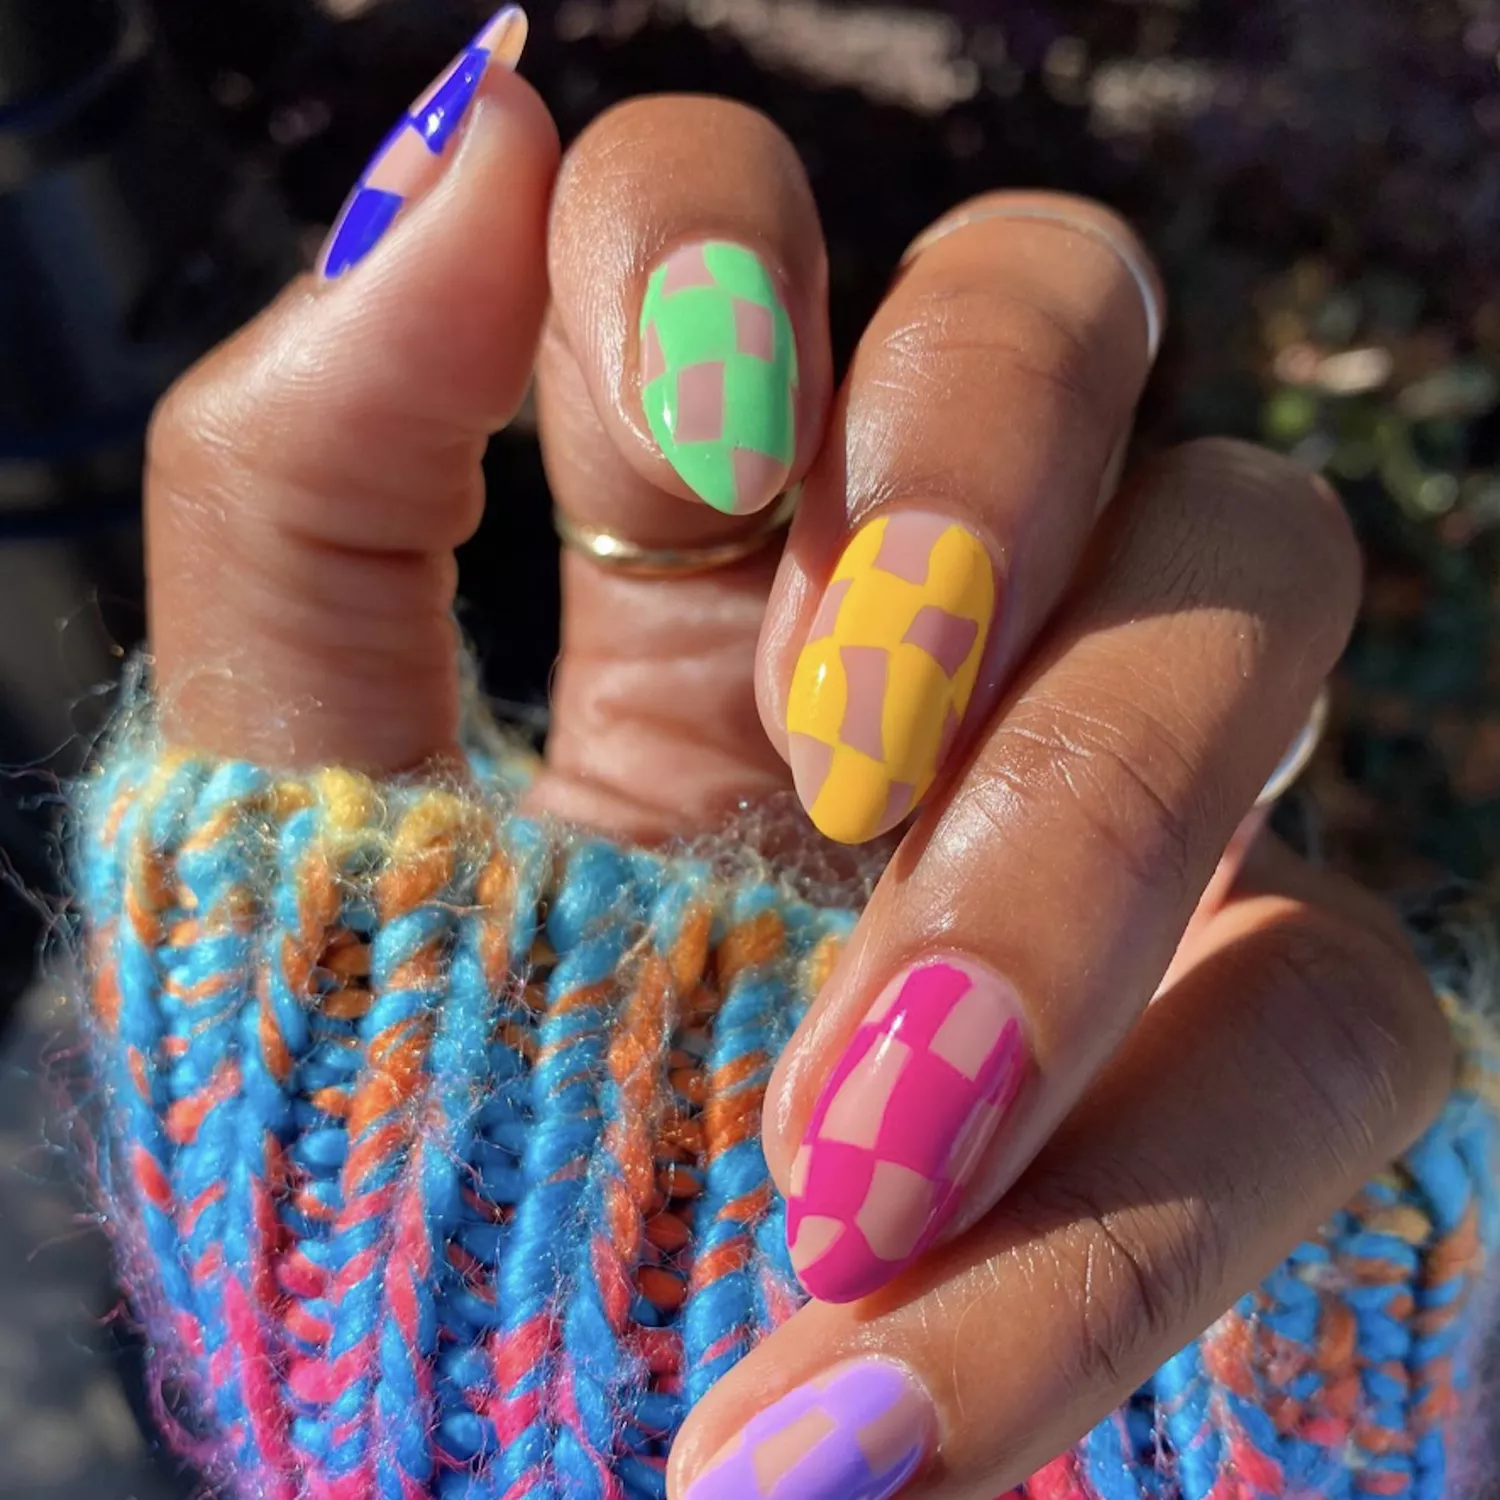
978, 432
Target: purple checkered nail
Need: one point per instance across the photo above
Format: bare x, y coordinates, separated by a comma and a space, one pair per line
857, 1432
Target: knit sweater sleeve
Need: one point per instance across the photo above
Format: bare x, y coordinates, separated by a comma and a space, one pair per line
430, 1149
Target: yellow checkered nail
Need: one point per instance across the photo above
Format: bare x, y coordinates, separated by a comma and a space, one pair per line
885, 677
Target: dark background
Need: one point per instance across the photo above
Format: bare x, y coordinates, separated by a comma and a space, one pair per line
1319, 178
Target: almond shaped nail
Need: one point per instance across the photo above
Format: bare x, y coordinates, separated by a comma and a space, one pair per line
885, 677
411, 158
906, 1115
719, 374
857, 1432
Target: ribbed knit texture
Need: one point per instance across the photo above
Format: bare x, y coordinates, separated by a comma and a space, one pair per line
432, 1155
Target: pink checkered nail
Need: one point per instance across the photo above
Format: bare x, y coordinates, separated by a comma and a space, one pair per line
921, 1091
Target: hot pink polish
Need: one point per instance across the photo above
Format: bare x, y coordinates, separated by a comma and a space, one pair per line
925, 1084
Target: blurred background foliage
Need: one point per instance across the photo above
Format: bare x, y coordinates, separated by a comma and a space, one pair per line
1321, 182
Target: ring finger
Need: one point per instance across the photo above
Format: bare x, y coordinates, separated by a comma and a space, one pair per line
1299, 1054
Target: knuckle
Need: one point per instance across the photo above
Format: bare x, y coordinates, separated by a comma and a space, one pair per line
960, 335
1065, 209
1362, 1026
232, 447
199, 467
1132, 1264
1293, 522
190, 421
1074, 205
1127, 781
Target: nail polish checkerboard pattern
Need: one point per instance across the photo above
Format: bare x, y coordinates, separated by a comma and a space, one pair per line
886, 674
428, 1138
409, 161
856, 1433
719, 374
916, 1096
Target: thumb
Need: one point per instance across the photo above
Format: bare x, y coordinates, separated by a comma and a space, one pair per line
308, 482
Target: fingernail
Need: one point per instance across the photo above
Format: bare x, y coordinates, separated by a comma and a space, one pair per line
887, 672
719, 374
411, 158
925, 1084
857, 1432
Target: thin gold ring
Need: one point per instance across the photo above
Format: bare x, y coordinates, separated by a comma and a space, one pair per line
621, 555
1302, 750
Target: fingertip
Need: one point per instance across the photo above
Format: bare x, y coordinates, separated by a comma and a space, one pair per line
415, 153
454, 295
859, 1429
719, 372
690, 278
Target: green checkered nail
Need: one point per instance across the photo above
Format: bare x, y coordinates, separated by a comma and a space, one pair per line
719, 374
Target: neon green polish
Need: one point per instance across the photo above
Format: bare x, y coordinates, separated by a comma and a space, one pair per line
719, 374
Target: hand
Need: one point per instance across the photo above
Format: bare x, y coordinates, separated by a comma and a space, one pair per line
1014, 1187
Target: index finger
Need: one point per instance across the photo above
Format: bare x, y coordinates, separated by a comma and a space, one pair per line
682, 383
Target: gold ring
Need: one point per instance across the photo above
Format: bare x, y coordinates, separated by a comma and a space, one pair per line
1294, 762
621, 555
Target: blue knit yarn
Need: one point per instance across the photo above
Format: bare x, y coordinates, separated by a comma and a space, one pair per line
211, 984
141, 1088
722, 1323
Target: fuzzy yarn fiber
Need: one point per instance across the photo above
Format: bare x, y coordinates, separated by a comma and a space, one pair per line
430, 1146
